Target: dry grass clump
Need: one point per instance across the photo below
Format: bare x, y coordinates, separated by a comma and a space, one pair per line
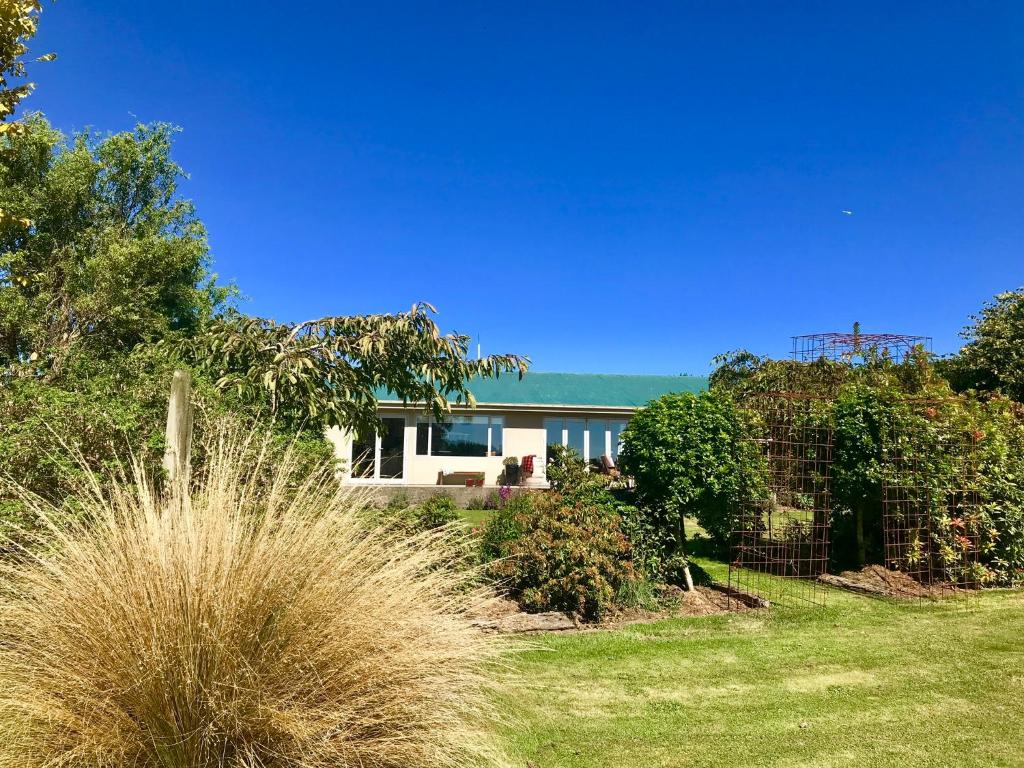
228, 627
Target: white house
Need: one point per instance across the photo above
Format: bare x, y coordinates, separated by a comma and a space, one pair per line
513, 418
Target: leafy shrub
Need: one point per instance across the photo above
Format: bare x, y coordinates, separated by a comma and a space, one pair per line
436, 512
688, 456
569, 474
52, 432
507, 524
227, 629
1001, 476
571, 558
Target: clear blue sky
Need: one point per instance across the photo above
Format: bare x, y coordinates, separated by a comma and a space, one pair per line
627, 187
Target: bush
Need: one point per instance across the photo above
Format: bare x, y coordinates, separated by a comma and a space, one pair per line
225, 629
51, 433
688, 456
507, 524
436, 512
571, 558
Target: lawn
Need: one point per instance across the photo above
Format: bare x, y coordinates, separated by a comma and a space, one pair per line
474, 518
860, 683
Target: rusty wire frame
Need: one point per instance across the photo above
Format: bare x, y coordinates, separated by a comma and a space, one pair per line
931, 522
845, 347
780, 542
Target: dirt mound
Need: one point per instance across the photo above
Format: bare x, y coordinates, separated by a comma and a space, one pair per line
881, 581
504, 615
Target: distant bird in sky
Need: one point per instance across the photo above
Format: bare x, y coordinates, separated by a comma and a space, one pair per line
847, 213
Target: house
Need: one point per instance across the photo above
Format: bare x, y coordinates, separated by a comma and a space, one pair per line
513, 418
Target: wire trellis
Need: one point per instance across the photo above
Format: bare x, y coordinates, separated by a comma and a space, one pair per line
846, 347
780, 542
931, 501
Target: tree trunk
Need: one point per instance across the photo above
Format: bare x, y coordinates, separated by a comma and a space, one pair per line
682, 552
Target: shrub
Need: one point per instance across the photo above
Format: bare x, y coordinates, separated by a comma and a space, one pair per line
436, 512
508, 523
688, 456
50, 433
215, 628
571, 558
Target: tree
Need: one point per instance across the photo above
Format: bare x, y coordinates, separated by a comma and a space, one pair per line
111, 257
19, 20
992, 360
328, 371
688, 457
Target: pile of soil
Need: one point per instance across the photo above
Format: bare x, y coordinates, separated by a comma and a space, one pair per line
703, 601
503, 615
881, 581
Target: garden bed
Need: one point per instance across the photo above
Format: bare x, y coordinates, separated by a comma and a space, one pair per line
880, 581
503, 615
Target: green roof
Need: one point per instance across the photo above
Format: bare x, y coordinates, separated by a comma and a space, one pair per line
598, 389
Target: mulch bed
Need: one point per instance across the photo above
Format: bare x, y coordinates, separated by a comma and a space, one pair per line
503, 615
882, 582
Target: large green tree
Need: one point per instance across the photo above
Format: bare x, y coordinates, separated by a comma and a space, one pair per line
992, 360
112, 256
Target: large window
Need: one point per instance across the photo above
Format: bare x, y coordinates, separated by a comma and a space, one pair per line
380, 456
590, 438
460, 436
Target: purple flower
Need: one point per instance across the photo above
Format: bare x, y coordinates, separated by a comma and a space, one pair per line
505, 493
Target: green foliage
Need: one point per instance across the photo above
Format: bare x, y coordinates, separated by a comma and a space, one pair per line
325, 372
436, 512
102, 411
113, 256
1001, 472
881, 408
992, 360
569, 475
505, 525
688, 456
571, 558
19, 20
863, 418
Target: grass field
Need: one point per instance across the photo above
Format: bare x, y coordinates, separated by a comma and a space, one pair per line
860, 683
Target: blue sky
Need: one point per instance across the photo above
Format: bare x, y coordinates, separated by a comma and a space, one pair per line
627, 187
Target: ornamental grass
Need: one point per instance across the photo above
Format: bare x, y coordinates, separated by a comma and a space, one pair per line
255, 618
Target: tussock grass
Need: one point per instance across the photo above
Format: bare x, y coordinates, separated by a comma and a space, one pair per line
238, 624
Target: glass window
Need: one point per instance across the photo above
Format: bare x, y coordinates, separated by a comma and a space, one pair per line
392, 448
497, 434
363, 456
616, 435
574, 439
598, 430
553, 428
422, 437
460, 436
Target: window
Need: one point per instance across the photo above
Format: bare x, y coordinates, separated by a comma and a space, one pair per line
380, 456
574, 431
590, 438
616, 428
460, 436
597, 432
553, 428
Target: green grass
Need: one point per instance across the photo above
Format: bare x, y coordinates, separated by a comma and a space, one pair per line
474, 518
860, 683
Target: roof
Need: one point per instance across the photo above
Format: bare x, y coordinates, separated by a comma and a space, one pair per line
576, 389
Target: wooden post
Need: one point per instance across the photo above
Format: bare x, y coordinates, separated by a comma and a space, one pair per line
178, 450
